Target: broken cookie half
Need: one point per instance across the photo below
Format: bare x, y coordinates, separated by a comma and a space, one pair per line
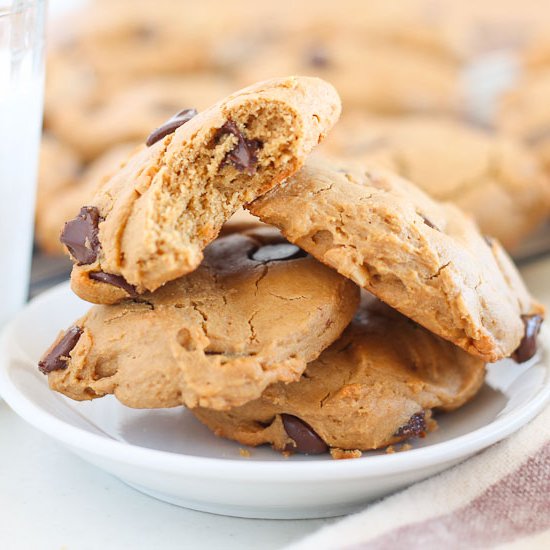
254, 313
150, 222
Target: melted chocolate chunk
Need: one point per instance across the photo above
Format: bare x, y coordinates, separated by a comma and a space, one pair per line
277, 253
415, 426
114, 280
80, 235
528, 345
244, 155
58, 357
170, 126
307, 441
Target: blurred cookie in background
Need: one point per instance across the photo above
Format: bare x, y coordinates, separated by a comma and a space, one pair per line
369, 75
59, 166
137, 38
494, 178
525, 113
60, 198
96, 125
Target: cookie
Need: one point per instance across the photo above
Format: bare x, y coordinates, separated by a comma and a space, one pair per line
150, 222
454, 161
426, 259
375, 386
93, 126
75, 186
139, 38
525, 114
378, 77
255, 312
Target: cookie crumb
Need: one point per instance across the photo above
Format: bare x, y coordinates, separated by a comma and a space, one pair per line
390, 450
405, 447
344, 454
245, 453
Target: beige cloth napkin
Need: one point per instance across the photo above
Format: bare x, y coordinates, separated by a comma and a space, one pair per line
497, 499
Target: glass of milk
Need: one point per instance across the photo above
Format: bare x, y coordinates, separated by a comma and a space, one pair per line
21, 92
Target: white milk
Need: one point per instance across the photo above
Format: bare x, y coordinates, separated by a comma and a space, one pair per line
20, 124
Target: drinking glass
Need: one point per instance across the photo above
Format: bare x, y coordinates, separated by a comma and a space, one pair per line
21, 94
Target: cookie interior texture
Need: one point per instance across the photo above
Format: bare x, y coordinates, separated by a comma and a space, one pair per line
375, 386
393, 240
171, 200
216, 337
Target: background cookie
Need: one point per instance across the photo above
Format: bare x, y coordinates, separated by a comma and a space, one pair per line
454, 161
379, 77
255, 312
131, 113
60, 201
525, 114
393, 240
150, 222
374, 386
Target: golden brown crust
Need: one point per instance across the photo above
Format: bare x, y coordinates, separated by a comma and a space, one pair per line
217, 337
455, 162
393, 240
362, 391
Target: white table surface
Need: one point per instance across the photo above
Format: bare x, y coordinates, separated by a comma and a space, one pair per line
52, 500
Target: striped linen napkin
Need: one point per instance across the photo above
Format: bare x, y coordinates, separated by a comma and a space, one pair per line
499, 498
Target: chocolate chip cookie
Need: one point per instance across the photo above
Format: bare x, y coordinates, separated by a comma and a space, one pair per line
375, 386
453, 161
426, 259
255, 312
150, 222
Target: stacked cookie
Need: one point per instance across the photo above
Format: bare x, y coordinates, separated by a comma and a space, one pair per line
264, 333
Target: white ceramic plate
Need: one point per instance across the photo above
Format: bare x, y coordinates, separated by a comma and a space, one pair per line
171, 456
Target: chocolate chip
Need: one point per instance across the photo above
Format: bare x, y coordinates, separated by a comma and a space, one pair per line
244, 155
170, 126
80, 235
528, 345
114, 280
318, 57
307, 441
58, 357
277, 253
415, 426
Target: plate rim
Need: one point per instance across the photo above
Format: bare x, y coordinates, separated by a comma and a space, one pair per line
198, 467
